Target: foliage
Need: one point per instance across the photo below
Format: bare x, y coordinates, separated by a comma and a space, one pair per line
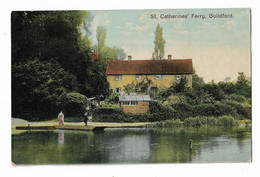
48, 35
107, 53
197, 82
198, 122
74, 104
93, 80
157, 112
243, 85
101, 38
141, 86
159, 43
49, 61
113, 98
227, 121
37, 88
157, 107
180, 86
214, 90
168, 123
237, 98
211, 121
129, 88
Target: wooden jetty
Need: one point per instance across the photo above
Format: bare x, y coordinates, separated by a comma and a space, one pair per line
61, 127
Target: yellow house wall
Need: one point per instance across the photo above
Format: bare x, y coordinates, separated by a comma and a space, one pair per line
165, 82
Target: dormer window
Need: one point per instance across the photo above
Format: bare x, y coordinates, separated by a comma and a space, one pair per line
158, 77
118, 77
138, 77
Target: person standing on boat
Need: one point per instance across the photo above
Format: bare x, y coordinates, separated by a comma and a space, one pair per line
61, 118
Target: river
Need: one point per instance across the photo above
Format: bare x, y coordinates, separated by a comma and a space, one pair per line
133, 145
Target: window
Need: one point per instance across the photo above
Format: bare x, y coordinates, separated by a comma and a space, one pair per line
126, 102
118, 77
138, 77
134, 103
130, 102
118, 90
158, 77
135, 90
178, 78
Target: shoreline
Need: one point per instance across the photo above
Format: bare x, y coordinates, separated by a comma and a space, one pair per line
21, 122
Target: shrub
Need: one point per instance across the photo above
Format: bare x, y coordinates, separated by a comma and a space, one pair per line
73, 104
227, 121
194, 122
156, 113
238, 98
169, 123
182, 110
241, 111
210, 121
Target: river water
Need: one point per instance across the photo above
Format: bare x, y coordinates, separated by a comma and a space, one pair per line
133, 145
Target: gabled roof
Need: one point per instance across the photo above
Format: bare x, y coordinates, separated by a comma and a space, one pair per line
174, 66
134, 98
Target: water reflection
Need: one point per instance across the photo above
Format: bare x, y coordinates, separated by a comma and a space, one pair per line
213, 144
61, 137
131, 146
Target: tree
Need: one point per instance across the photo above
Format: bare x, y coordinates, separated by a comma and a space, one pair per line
180, 87
51, 43
37, 88
101, 39
107, 53
159, 43
243, 85
197, 81
241, 80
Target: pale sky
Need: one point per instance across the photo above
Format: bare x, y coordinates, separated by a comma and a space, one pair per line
219, 47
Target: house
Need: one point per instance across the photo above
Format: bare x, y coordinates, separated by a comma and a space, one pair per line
160, 73
135, 104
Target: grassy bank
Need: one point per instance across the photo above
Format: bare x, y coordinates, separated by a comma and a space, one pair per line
227, 121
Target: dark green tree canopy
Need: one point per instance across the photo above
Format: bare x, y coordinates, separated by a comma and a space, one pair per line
49, 60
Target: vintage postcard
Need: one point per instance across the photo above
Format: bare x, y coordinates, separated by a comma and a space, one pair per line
131, 86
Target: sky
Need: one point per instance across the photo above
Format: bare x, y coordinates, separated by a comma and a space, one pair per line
219, 47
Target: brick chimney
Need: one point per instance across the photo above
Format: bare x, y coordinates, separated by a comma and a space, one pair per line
129, 57
94, 56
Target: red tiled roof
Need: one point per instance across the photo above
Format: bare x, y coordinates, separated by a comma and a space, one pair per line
174, 66
93, 56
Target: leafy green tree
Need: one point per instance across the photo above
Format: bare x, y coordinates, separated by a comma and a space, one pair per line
243, 85
37, 88
101, 38
159, 43
47, 35
180, 87
197, 81
94, 80
241, 80
107, 53
51, 43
